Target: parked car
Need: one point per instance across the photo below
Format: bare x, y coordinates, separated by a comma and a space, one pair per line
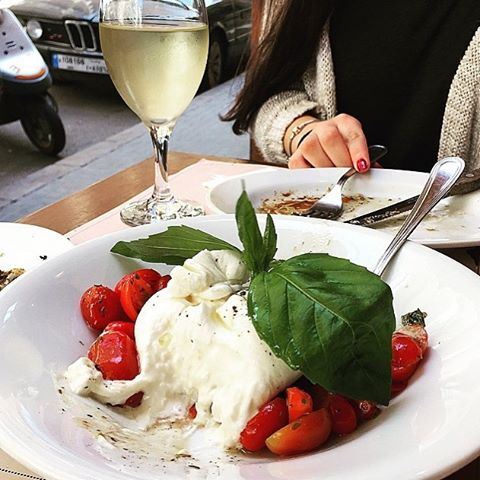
66, 34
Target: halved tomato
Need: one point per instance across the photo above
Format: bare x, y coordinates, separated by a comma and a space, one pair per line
299, 403
344, 418
134, 294
303, 435
270, 418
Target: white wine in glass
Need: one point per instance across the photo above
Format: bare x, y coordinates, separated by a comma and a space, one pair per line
156, 53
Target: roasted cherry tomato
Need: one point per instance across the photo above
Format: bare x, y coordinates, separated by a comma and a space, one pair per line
125, 327
402, 374
418, 333
152, 277
134, 293
100, 306
398, 387
344, 418
302, 435
319, 394
365, 409
164, 282
299, 403
115, 355
405, 351
270, 418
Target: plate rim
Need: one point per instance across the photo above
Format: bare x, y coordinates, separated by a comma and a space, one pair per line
433, 243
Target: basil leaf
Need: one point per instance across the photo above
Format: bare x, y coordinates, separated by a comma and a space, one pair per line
172, 247
249, 234
269, 242
329, 318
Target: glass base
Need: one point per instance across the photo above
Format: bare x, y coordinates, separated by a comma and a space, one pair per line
152, 211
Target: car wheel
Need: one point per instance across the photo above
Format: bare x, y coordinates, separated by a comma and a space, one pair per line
217, 61
43, 127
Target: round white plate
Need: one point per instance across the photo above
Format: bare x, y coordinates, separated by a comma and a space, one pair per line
455, 222
28, 246
429, 431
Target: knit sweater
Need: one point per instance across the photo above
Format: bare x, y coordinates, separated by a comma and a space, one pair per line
315, 92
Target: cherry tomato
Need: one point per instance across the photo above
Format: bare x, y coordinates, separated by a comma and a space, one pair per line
192, 412
270, 418
402, 374
302, 435
405, 351
115, 355
135, 400
299, 403
125, 327
418, 333
134, 293
100, 306
344, 418
398, 387
319, 394
152, 277
120, 283
366, 410
164, 282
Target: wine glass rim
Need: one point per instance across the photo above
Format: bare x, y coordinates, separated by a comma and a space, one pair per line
156, 20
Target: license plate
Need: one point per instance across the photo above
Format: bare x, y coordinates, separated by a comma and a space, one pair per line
79, 64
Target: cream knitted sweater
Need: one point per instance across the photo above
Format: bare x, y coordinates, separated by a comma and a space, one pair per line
460, 135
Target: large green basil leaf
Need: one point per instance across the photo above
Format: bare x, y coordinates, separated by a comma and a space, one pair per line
329, 318
173, 246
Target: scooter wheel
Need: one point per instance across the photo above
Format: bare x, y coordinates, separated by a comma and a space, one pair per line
44, 127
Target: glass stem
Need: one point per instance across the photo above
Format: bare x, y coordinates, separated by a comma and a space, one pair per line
160, 136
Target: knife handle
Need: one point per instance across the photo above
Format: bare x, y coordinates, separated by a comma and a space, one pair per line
468, 182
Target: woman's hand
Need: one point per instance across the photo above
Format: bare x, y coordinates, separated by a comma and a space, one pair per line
339, 142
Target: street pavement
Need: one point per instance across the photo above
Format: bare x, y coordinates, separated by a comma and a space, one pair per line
89, 115
105, 146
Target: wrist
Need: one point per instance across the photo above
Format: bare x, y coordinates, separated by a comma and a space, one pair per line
298, 128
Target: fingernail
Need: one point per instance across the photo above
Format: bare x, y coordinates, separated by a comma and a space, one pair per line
362, 165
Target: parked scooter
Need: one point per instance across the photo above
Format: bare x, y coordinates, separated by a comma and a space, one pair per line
24, 84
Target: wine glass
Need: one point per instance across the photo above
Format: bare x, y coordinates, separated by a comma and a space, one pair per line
156, 52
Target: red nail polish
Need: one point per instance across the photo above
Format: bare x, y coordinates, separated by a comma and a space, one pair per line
362, 165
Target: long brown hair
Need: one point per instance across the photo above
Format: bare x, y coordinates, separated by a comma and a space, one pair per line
281, 58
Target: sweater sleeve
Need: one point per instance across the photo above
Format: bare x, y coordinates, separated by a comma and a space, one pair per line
273, 119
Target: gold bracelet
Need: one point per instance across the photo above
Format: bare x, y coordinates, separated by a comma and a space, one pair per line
295, 131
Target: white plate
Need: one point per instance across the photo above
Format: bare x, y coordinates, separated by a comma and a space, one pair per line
429, 431
454, 223
27, 246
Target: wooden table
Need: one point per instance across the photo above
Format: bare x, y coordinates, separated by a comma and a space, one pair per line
101, 197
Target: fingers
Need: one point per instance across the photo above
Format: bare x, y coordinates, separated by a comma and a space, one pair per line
297, 161
335, 150
313, 152
339, 142
356, 143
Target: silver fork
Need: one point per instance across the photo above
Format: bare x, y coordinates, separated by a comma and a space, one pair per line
330, 205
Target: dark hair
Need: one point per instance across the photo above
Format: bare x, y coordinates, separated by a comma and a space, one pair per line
282, 56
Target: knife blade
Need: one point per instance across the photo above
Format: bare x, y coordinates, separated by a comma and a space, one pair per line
468, 182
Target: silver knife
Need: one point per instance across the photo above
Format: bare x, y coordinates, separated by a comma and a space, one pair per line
468, 182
